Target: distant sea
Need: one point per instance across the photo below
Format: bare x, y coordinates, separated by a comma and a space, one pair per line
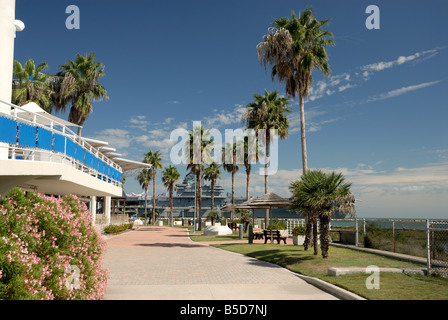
284, 213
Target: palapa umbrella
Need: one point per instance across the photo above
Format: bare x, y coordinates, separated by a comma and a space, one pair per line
269, 200
248, 205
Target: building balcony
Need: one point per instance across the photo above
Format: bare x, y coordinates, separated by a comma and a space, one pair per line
39, 152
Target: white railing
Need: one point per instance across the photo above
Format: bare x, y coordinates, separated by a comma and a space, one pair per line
291, 224
17, 151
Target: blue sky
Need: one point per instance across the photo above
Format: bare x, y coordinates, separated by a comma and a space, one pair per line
380, 118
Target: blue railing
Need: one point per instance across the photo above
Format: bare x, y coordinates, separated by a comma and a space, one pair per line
19, 134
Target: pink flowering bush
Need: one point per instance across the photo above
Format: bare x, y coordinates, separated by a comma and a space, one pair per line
49, 249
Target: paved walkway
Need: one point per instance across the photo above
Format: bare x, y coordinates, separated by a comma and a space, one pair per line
162, 263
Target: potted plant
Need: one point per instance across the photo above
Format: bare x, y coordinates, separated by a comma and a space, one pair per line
298, 235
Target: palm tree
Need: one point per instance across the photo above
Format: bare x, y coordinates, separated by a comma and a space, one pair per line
144, 179
212, 173
78, 85
199, 137
231, 167
295, 47
155, 160
169, 178
250, 156
31, 84
318, 194
268, 112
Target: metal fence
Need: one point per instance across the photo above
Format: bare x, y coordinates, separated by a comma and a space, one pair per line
437, 255
416, 237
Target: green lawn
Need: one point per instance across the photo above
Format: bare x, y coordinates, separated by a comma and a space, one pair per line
393, 286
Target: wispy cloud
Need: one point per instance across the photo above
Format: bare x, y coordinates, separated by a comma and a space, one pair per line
382, 65
313, 120
223, 117
400, 91
348, 80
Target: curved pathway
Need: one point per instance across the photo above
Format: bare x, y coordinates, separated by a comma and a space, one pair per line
162, 263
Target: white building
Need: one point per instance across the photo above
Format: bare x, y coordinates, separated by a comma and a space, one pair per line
40, 152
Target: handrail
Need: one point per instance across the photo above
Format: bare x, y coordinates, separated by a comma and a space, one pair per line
65, 131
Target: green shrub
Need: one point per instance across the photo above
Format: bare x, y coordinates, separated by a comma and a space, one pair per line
299, 231
117, 228
277, 224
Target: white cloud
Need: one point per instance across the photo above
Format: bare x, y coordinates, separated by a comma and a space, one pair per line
223, 117
344, 81
399, 92
382, 65
138, 120
174, 102
117, 138
345, 87
168, 120
312, 124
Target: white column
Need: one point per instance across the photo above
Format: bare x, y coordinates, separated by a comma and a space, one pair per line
7, 32
107, 207
93, 208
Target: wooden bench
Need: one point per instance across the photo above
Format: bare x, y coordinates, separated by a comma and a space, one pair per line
275, 235
233, 226
258, 233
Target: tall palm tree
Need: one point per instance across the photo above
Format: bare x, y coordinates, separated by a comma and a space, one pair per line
78, 85
32, 85
231, 167
155, 160
268, 112
144, 179
319, 194
198, 137
169, 178
295, 47
250, 156
212, 173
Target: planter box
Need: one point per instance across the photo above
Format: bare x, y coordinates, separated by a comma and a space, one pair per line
298, 240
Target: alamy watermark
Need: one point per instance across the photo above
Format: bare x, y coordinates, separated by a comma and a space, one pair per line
373, 281
72, 281
73, 21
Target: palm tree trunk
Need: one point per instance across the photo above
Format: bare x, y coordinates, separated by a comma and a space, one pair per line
324, 235
302, 135
146, 203
212, 195
171, 205
233, 194
199, 201
153, 196
247, 181
316, 247
266, 179
309, 228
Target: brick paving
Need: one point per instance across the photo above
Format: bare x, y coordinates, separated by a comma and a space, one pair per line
163, 263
